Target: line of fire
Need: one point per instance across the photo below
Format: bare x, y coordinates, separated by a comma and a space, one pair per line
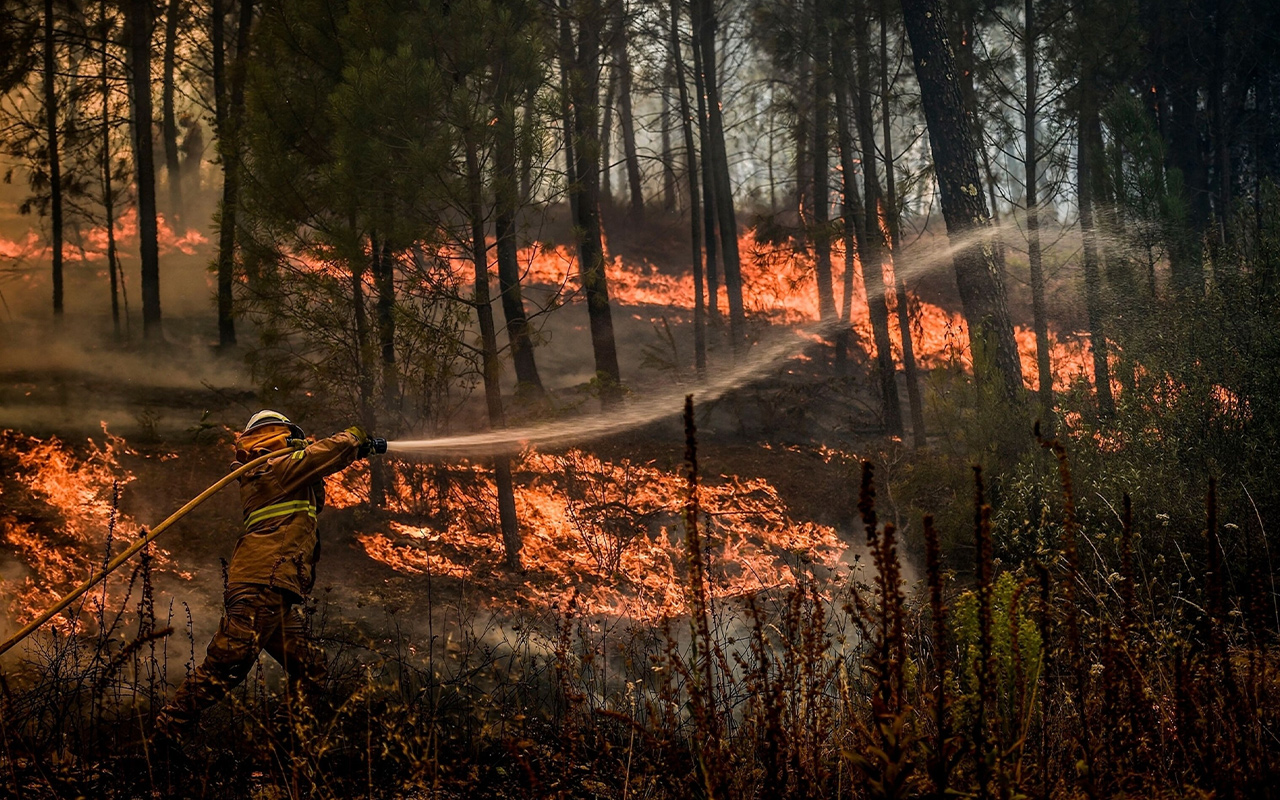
639, 399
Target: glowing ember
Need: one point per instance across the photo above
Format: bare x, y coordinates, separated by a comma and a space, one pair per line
611, 532
57, 511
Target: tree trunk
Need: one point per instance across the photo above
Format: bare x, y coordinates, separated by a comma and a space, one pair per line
627, 121
108, 193
55, 165
705, 24
1039, 314
668, 158
139, 18
691, 171
709, 227
869, 242
364, 356
230, 112
529, 120
566, 58
384, 279
821, 169
914, 401
606, 137
955, 155
505, 192
170, 124
1092, 275
489, 345
584, 85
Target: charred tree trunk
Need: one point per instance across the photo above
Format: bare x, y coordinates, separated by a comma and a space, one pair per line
139, 18
384, 278
364, 354
691, 171
606, 138
1039, 314
507, 200
108, 192
1092, 274
584, 86
229, 112
529, 120
955, 155
566, 58
627, 122
169, 125
55, 164
804, 140
709, 226
704, 24
855, 236
821, 169
873, 250
914, 401
668, 158
489, 344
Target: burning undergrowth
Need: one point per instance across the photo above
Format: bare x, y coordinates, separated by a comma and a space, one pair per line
58, 514
606, 534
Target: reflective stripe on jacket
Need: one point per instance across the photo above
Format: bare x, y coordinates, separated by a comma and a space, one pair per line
281, 499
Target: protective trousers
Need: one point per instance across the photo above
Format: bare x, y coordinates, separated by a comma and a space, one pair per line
257, 618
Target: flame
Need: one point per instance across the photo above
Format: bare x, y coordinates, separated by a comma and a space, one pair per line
58, 508
609, 532
91, 246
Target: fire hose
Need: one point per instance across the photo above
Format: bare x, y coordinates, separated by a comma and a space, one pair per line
133, 549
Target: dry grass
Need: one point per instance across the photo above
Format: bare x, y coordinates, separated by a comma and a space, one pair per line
1055, 680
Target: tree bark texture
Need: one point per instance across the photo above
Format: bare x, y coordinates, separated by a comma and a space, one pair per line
955, 156
139, 18
54, 158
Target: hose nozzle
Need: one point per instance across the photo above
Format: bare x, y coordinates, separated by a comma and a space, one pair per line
378, 445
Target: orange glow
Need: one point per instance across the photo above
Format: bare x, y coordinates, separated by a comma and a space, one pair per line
68, 501
610, 531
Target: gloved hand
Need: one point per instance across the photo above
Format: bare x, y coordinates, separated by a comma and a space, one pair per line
296, 444
372, 445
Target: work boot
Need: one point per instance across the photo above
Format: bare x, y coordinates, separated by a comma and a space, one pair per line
171, 735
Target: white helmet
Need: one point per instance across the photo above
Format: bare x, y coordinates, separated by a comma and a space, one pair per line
268, 417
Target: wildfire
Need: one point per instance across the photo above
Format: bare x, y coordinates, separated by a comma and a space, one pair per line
57, 511
610, 533
780, 286
90, 245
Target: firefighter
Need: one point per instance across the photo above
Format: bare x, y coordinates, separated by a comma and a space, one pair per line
272, 568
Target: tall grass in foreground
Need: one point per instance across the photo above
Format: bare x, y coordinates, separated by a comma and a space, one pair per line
1050, 680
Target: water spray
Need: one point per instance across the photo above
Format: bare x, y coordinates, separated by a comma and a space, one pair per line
635, 415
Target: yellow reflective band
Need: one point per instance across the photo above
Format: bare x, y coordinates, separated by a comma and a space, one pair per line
298, 455
280, 510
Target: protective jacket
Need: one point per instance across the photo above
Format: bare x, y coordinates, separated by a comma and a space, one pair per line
279, 547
